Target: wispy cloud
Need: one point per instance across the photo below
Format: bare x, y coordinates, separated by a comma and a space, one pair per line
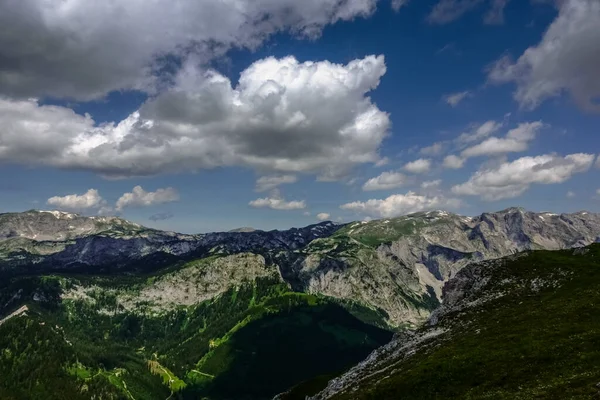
454, 99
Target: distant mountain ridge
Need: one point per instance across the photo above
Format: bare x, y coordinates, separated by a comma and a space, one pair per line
397, 265
60, 226
54, 239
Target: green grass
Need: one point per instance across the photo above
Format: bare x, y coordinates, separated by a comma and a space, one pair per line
79, 371
375, 233
527, 344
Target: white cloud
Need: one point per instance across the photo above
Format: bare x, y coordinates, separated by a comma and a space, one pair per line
479, 132
446, 11
454, 99
419, 166
598, 192
323, 217
276, 202
106, 210
398, 4
512, 179
265, 183
399, 204
571, 194
453, 162
34, 134
516, 140
493, 146
75, 202
566, 60
431, 184
525, 131
385, 181
306, 213
273, 121
86, 49
138, 197
495, 15
382, 162
435, 149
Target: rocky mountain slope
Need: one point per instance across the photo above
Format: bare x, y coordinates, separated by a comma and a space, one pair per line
394, 266
522, 327
400, 265
51, 240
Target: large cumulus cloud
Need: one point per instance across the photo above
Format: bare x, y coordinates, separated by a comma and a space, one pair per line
282, 116
400, 204
85, 49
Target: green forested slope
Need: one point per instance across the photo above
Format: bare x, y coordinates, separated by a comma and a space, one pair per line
253, 341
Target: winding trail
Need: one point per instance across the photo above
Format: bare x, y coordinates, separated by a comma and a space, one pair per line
14, 314
202, 373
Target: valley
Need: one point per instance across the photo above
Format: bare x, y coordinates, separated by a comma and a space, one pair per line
146, 314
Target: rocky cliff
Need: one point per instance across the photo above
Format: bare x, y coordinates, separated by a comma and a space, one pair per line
400, 265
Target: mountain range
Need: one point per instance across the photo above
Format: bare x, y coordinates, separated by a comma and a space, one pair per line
398, 266
145, 313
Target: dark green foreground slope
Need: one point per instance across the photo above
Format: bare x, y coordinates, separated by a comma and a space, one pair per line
532, 331
251, 342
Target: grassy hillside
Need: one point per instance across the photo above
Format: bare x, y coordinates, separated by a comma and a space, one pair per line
253, 341
537, 337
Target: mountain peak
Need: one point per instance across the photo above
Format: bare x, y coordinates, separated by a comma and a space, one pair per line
54, 225
511, 210
59, 214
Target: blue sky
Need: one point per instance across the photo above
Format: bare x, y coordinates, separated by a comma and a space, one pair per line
278, 114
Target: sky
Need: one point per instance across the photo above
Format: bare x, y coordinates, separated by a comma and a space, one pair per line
201, 116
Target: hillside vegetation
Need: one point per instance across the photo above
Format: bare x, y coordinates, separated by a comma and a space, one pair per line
252, 341
525, 327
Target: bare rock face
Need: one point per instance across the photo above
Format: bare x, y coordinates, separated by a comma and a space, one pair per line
205, 279
400, 265
61, 226
64, 240
191, 284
